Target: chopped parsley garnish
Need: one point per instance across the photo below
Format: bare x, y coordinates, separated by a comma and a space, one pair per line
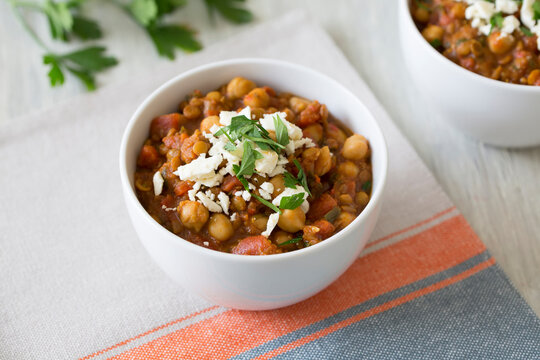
247, 166
292, 202
525, 30
242, 127
366, 187
496, 21
229, 147
333, 214
267, 203
302, 176
435, 43
282, 135
536, 9
290, 180
292, 241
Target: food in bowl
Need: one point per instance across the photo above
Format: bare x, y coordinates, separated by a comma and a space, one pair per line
246, 170
498, 39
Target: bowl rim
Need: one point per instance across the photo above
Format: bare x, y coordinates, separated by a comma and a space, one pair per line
130, 195
406, 12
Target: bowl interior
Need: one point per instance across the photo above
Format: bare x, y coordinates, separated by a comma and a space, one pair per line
283, 77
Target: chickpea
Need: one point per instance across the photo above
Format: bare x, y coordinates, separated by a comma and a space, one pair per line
362, 198
175, 162
290, 115
257, 113
345, 199
323, 164
282, 236
534, 77
279, 184
259, 221
292, 220
499, 43
298, 104
348, 169
458, 11
257, 97
208, 122
220, 227
315, 132
200, 147
336, 133
192, 112
239, 87
421, 15
344, 219
238, 203
213, 95
355, 147
433, 32
193, 214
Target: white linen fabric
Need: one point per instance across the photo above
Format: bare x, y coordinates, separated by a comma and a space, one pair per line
75, 278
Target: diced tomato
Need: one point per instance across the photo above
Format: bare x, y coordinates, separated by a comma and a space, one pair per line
148, 157
186, 150
175, 141
326, 228
182, 187
310, 115
321, 207
161, 125
255, 245
231, 183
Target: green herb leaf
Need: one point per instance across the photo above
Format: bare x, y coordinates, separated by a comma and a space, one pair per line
436, 43
144, 11
496, 21
282, 135
290, 180
247, 165
86, 29
86, 77
302, 176
241, 178
59, 18
267, 203
230, 10
91, 59
366, 187
536, 9
292, 241
168, 6
229, 147
56, 76
525, 30
292, 202
168, 37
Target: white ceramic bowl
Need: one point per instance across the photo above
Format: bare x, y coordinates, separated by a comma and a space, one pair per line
254, 282
491, 111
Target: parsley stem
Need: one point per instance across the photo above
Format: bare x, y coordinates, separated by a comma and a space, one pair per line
29, 30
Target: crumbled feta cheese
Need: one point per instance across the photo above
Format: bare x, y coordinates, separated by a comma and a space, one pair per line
202, 169
158, 183
271, 224
238, 193
246, 195
208, 203
267, 122
225, 117
480, 12
289, 192
268, 187
224, 202
265, 194
268, 162
206, 243
210, 194
506, 6
296, 144
277, 170
234, 216
167, 208
527, 14
510, 24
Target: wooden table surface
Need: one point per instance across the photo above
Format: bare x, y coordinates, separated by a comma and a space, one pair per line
497, 190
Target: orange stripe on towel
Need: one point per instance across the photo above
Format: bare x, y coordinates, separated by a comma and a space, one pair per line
232, 332
378, 309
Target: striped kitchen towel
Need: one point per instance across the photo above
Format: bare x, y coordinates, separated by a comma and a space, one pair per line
76, 283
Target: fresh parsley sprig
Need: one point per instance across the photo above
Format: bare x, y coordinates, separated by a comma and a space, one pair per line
229, 9
291, 202
536, 9
292, 241
302, 176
